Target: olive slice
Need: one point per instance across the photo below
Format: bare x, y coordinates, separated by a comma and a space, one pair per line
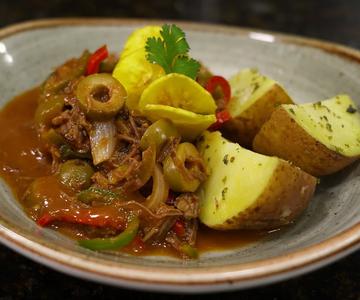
100, 96
185, 171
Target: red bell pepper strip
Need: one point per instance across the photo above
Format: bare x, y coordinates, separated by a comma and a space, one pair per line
137, 245
221, 117
84, 217
179, 228
45, 220
220, 81
95, 59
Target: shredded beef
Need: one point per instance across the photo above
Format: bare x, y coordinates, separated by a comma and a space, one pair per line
158, 230
130, 125
123, 172
73, 126
191, 231
188, 203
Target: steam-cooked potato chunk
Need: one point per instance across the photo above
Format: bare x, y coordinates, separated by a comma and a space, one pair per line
321, 138
254, 98
247, 190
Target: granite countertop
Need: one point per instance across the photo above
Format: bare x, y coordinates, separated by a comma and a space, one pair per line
333, 20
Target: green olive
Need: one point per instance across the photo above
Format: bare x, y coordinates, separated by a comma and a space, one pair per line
184, 172
76, 174
100, 96
158, 133
49, 109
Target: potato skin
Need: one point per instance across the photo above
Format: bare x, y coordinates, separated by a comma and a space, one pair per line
285, 198
242, 129
283, 137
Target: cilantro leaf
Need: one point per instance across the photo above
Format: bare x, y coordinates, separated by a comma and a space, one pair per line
175, 42
187, 66
156, 53
171, 52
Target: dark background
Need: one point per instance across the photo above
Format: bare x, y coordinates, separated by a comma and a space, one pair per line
334, 20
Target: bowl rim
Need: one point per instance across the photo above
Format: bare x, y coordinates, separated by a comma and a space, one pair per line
169, 278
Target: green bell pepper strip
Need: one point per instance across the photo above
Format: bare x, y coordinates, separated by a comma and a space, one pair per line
119, 241
189, 251
67, 153
158, 133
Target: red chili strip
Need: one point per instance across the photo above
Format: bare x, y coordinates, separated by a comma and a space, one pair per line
84, 217
137, 245
179, 228
95, 59
45, 220
221, 118
220, 81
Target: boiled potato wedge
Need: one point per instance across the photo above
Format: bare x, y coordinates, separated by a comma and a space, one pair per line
247, 190
254, 98
321, 138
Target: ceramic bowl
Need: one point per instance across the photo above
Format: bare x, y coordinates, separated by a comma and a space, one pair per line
310, 70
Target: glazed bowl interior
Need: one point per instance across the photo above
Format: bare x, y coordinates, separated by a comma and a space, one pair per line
308, 74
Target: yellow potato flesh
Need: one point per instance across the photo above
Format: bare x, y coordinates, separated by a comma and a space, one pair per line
237, 178
189, 124
178, 91
331, 123
247, 87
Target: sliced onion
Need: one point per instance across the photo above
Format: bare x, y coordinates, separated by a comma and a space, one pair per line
160, 190
159, 231
145, 170
147, 214
102, 140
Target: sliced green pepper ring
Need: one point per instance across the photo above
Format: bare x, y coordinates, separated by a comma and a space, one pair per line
158, 133
117, 242
96, 194
49, 109
100, 96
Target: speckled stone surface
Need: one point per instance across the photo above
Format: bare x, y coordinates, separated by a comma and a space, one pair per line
21, 278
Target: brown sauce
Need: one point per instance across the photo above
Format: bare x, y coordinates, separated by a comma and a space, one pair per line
21, 161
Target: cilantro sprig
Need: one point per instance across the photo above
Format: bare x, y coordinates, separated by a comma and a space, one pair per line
171, 52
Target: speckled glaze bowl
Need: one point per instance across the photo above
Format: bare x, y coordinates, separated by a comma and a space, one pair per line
310, 70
